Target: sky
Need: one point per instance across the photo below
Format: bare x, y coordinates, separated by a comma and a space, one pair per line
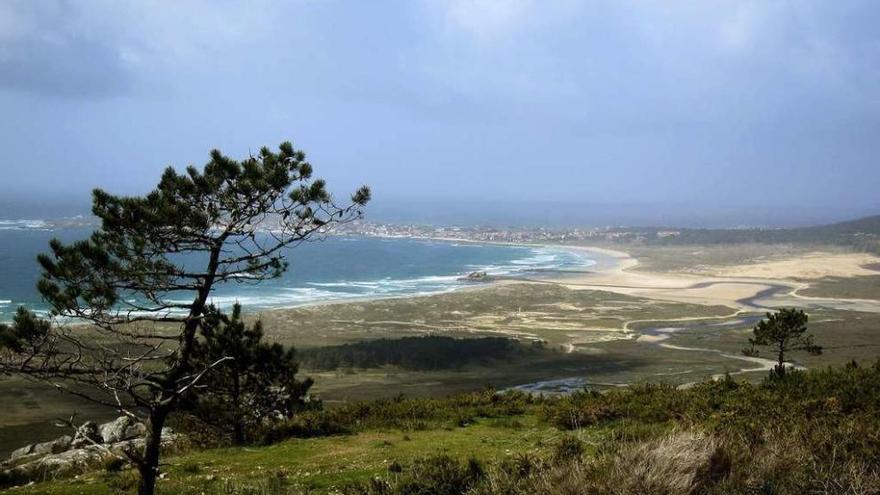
720, 113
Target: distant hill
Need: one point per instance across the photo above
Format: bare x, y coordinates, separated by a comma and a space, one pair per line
867, 226
862, 234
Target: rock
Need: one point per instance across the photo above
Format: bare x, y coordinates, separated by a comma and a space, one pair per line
49, 466
480, 276
71, 462
21, 452
88, 449
54, 446
122, 428
86, 435
37, 449
170, 440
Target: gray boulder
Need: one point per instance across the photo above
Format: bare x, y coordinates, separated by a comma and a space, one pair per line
70, 462
86, 435
88, 449
122, 428
34, 466
39, 449
21, 452
56, 446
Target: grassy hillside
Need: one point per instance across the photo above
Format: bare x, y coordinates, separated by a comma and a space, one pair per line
813, 432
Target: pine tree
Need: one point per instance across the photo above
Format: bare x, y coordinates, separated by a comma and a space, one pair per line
255, 382
142, 282
784, 332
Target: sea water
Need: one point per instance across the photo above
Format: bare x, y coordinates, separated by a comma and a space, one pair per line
333, 269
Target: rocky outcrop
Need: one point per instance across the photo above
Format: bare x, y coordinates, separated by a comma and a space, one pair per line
477, 277
122, 428
56, 446
87, 434
89, 448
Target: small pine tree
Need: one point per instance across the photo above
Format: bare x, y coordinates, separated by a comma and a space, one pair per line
256, 380
784, 332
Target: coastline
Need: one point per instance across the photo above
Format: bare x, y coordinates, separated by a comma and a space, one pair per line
748, 287
601, 265
615, 270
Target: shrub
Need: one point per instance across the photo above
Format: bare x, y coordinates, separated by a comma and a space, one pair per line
402, 413
114, 464
306, 425
569, 447
578, 410
440, 475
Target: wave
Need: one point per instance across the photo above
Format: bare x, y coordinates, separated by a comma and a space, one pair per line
24, 224
389, 282
540, 259
291, 292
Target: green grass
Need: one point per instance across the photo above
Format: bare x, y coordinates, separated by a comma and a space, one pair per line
323, 464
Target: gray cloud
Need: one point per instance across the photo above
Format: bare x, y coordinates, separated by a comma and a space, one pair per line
54, 48
696, 102
73, 67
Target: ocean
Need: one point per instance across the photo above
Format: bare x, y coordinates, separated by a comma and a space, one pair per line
333, 269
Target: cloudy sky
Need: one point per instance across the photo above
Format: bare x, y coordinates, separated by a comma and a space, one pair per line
735, 110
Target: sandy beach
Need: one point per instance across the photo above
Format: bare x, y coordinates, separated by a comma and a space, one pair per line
740, 287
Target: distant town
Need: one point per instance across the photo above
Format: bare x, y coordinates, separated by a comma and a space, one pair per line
504, 235
861, 234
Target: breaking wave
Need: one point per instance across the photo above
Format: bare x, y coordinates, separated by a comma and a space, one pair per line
24, 225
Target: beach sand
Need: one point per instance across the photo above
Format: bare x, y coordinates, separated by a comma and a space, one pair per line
737, 286
810, 266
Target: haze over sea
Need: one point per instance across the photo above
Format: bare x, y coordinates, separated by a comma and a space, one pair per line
334, 269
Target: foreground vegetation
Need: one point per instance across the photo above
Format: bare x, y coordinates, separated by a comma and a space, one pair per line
809, 432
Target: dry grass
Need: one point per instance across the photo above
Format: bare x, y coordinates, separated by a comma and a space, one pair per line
677, 464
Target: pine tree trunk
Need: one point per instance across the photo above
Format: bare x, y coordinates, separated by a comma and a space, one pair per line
237, 426
149, 465
780, 363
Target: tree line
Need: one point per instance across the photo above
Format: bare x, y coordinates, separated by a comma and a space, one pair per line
414, 353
